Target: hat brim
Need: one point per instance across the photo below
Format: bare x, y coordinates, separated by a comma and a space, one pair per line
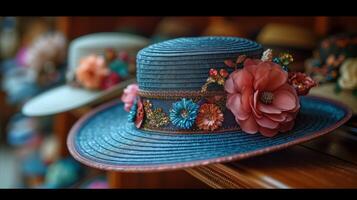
103, 139
65, 98
328, 90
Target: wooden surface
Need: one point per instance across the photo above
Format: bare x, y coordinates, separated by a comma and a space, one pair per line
327, 162
174, 179
62, 124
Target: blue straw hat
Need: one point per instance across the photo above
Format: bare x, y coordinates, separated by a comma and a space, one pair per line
161, 131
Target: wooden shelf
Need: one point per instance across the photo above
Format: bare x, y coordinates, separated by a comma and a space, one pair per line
327, 162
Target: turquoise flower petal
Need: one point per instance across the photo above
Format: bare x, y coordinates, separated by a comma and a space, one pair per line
183, 113
119, 67
132, 113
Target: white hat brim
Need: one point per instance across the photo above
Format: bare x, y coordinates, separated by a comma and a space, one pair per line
65, 98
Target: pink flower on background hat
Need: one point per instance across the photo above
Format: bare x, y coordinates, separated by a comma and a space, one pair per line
261, 99
91, 72
129, 96
111, 80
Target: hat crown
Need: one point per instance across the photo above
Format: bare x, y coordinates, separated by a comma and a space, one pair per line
183, 63
98, 43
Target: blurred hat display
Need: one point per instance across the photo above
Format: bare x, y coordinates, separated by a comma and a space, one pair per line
298, 41
33, 169
97, 69
99, 182
63, 173
334, 65
286, 35
23, 131
35, 68
50, 149
8, 37
220, 26
172, 27
175, 27
19, 84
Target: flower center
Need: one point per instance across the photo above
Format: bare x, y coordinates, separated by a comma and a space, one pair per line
184, 113
267, 97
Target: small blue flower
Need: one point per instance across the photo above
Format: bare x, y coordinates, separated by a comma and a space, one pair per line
277, 60
183, 113
132, 113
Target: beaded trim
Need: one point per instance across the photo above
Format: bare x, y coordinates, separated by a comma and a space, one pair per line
194, 130
178, 94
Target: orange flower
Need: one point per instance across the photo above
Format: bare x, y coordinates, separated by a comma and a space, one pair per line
210, 117
91, 72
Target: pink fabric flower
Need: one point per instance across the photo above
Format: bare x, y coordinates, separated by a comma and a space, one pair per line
129, 95
91, 72
261, 99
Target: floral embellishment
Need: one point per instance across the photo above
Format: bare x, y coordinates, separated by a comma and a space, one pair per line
215, 77
284, 60
219, 100
267, 55
124, 56
109, 55
261, 99
348, 71
209, 117
101, 72
328, 58
111, 80
219, 77
155, 118
183, 113
136, 113
120, 67
129, 96
132, 112
91, 71
301, 82
139, 114
230, 63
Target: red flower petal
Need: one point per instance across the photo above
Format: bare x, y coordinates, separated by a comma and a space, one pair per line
229, 63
